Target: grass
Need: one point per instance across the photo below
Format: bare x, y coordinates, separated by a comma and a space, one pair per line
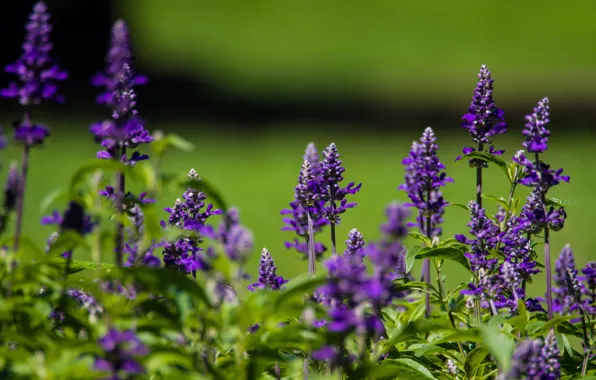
257, 172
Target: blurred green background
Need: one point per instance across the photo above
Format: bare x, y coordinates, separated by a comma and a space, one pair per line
252, 82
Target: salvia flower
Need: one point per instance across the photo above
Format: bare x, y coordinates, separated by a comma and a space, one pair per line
189, 215
125, 129
236, 239
11, 188
535, 360
88, 302
308, 183
29, 134
268, 278
37, 73
589, 289
388, 253
424, 177
122, 351
73, 219
484, 120
565, 277
486, 235
119, 55
535, 128
329, 191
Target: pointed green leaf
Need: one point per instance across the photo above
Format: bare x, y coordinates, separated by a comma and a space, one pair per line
499, 345
403, 369
297, 288
490, 158
499, 200
411, 257
77, 266
421, 238
447, 253
559, 202
460, 205
473, 361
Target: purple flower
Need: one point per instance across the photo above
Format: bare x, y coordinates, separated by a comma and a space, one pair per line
124, 130
189, 216
486, 234
308, 183
388, 254
87, 302
11, 188
589, 279
268, 278
484, 120
30, 134
536, 132
74, 219
122, 350
565, 276
536, 360
424, 177
119, 55
236, 239
329, 190
36, 71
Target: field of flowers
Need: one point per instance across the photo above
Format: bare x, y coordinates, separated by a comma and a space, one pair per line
121, 289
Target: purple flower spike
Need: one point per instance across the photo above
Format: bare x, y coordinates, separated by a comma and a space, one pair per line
11, 188
125, 130
119, 55
36, 71
297, 219
330, 192
536, 132
589, 278
536, 360
237, 240
484, 120
188, 215
565, 277
268, 278
122, 350
424, 177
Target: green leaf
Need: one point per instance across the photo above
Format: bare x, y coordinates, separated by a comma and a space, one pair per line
499, 200
160, 144
411, 257
421, 238
447, 253
489, 158
67, 241
559, 202
473, 361
51, 198
468, 335
77, 266
159, 360
403, 369
156, 280
460, 205
297, 288
211, 191
499, 345
26, 245
92, 166
545, 328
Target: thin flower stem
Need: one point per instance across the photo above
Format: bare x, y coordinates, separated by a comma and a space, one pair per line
119, 241
446, 305
310, 241
426, 263
547, 269
586, 343
333, 240
21, 198
477, 311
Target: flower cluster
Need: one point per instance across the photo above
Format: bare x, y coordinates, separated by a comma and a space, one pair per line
268, 278
297, 220
484, 120
119, 55
188, 215
37, 73
122, 350
536, 360
237, 240
423, 180
329, 191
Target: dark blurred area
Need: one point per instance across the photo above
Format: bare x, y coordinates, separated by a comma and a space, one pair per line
81, 36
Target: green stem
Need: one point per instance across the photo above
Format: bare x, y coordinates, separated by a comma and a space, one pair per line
445, 304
